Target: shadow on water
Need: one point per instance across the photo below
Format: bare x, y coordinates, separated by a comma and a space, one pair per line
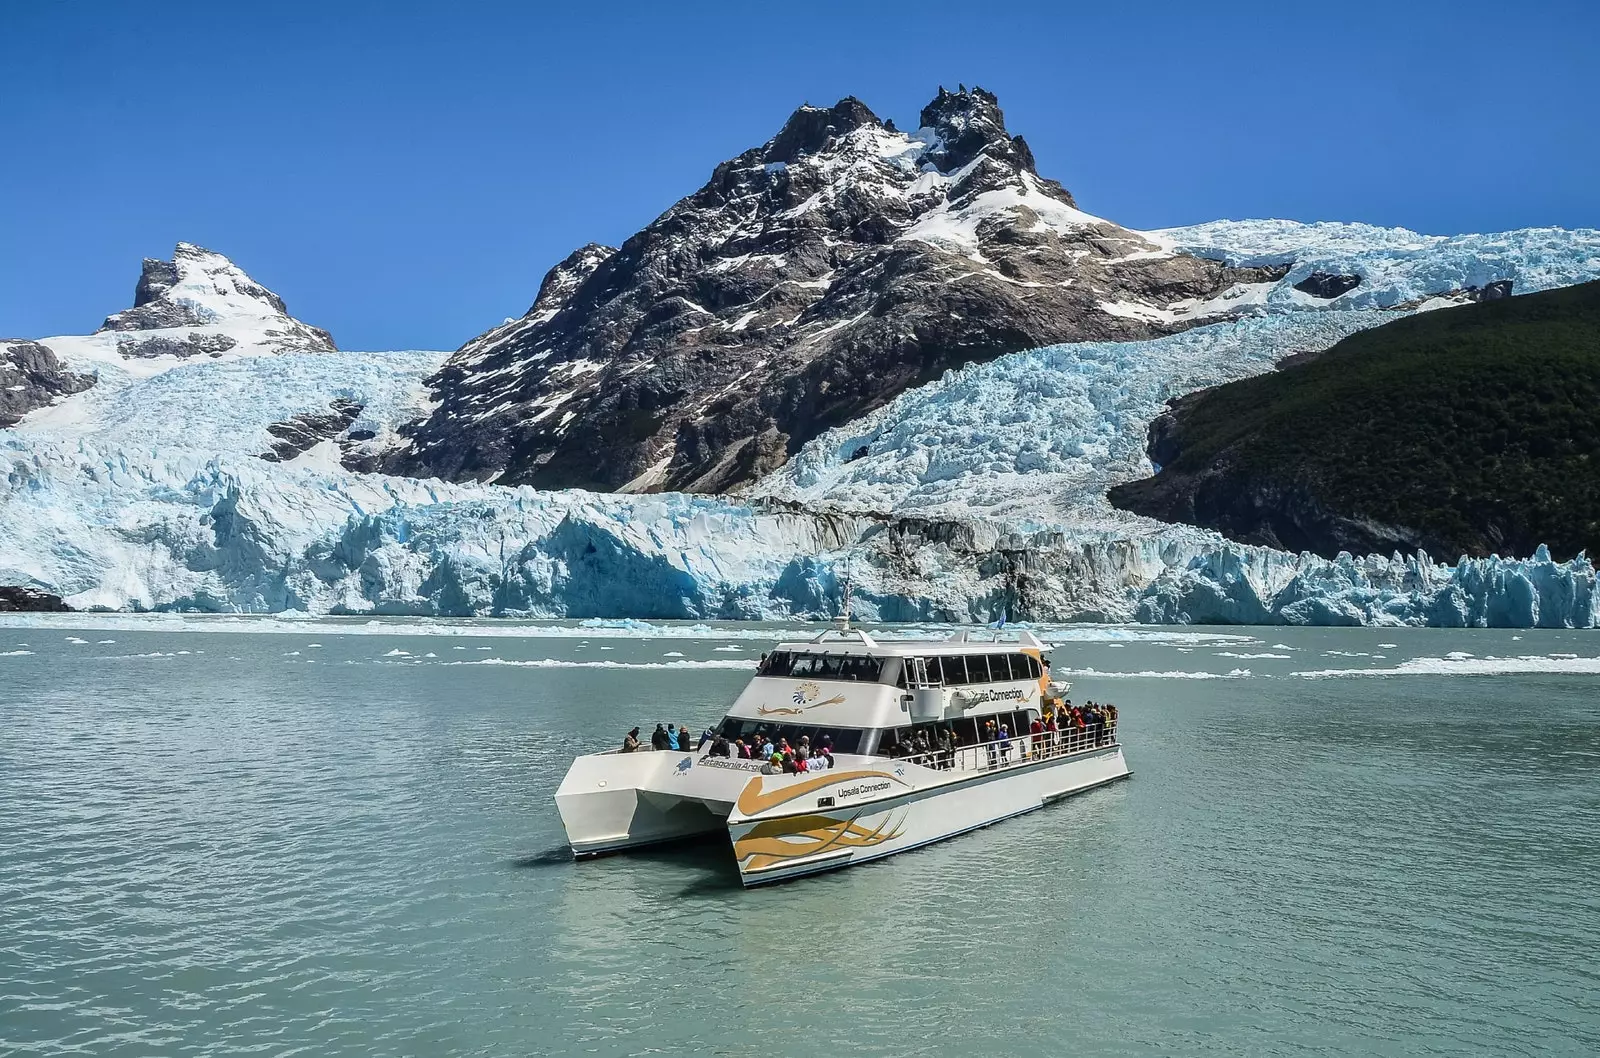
559, 856
705, 852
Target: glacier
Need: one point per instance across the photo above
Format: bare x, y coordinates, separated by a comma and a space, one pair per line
977, 495
1396, 266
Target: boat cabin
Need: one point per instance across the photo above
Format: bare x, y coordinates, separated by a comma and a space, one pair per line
882, 698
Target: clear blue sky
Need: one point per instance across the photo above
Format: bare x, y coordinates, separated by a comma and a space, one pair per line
404, 173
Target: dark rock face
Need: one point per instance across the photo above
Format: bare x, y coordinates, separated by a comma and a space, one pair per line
155, 279
188, 345
1500, 288
303, 432
31, 377
1327, 285
808, 282
202, 289
30, 600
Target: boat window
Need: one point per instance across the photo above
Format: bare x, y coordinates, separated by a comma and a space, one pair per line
852, 668
777, 663
977, 669
954, 669
862, 669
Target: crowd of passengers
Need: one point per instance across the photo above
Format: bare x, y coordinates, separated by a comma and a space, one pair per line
1061, 728
780, 754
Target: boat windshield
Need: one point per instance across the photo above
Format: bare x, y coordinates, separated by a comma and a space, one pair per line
845, 739
848, 667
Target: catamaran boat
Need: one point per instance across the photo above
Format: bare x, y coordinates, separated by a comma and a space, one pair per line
928, 739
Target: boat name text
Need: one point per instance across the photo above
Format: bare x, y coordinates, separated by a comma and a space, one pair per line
864, 788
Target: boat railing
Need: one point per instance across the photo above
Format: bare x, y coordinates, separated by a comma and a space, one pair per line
1006, 752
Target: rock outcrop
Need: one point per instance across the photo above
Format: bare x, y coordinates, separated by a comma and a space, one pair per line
1327, 285
16, 599
808, 282
303, 432
31, 376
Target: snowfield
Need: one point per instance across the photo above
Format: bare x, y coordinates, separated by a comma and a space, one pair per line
979, 494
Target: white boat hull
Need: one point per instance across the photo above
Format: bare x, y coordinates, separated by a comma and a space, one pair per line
787, 826
610, 802
885, 807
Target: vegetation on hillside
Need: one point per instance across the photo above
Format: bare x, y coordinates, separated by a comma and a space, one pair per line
1476, 429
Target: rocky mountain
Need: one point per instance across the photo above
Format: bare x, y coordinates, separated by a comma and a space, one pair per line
808, 282
202, 304
1467, 430
32, 377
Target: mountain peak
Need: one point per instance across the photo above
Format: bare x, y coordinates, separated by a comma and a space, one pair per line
810, 128
966, 124
203, 293
810, 279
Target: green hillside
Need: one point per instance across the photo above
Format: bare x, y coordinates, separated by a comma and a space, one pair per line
1473, 429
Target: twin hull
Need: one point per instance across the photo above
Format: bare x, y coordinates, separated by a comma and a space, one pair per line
786, 826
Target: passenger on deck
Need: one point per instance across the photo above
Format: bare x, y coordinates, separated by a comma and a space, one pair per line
685, 740
803, 750
658, 737
1005, 743
706, 736
631, 743
672, 737
742, 750
719, 747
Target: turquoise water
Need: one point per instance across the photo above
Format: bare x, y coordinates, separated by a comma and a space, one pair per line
296, 841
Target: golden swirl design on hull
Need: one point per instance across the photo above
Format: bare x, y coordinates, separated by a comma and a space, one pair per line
780, 840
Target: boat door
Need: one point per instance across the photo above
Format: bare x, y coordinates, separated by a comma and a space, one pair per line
927, 695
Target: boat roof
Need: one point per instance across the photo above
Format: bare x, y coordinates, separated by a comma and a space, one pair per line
857, 642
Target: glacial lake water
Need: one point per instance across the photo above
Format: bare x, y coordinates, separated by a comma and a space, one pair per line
328, 838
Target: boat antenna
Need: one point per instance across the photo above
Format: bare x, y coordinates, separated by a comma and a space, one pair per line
844, 618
